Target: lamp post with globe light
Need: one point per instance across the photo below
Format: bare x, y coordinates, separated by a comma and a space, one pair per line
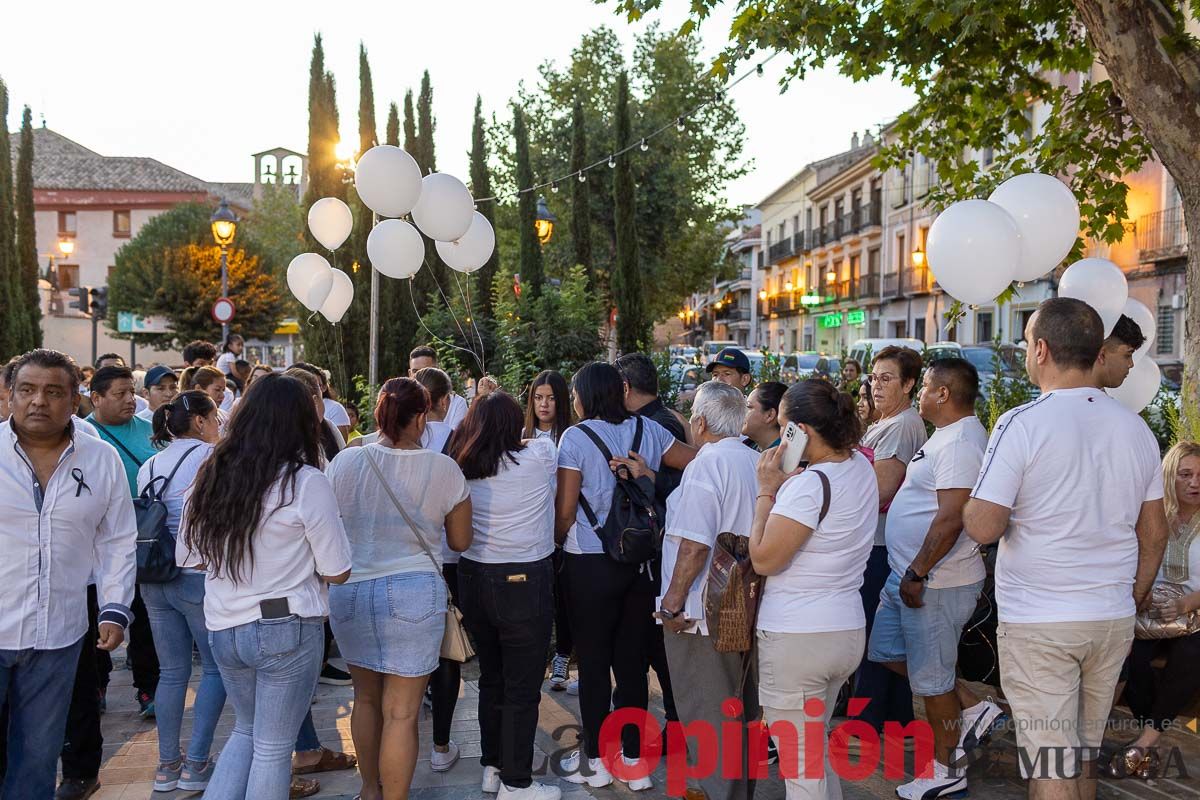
224, 228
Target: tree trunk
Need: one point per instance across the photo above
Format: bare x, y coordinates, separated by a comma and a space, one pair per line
1161, 89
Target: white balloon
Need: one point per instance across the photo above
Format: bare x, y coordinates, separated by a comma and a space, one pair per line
1046, 213
1140, 386
388, 180
340, 297
973, 249
395, 248
474, 248
445, 210
308, 272
1099, 283
330, 221
1138, 312
318, 290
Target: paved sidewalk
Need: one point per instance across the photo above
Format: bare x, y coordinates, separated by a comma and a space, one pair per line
131, 755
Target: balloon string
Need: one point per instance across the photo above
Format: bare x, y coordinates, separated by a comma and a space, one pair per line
466, 295
453, 316
433, 335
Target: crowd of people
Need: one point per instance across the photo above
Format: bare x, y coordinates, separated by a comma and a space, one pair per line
283, 531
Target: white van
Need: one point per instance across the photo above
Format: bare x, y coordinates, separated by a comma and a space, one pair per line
713, 346
864, 349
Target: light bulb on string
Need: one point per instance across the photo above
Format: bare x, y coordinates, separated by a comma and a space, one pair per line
582, 177
554, 187
643, 146
681, 124
612, 162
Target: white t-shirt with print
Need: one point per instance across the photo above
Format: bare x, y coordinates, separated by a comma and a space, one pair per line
818, 591
513, 511
294, 544
1075, 467
578, 452
898, 437
716, 495
949, 460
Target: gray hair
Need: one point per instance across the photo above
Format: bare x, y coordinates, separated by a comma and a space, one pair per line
722, 406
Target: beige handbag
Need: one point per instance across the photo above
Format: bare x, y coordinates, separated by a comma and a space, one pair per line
1147, 627
455, 644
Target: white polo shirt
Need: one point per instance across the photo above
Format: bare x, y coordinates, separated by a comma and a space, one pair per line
457, 411
715, 496
949, 460
1075, 467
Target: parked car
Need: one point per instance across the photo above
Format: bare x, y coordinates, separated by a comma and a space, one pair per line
713, 346
802, 366
864, 349
687, 377
689, 355
983, 358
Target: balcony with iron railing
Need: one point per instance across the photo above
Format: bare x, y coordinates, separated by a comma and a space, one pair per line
785, 304
780, 250
852, 222
867, 287
802, 241
1162, 235
917, 280
732, 313
740, 282
891, 284
762, 263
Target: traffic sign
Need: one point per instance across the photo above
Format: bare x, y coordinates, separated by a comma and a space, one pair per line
129, 322
223, 310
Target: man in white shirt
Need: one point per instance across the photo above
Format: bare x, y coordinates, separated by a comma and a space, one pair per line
67, 513
1072, 489
716, 496
425, 356
936, 575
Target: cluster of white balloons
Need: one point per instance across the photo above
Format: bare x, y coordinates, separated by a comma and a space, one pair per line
1028, 225
389, 182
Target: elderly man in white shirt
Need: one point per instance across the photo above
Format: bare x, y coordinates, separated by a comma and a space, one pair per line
67, 512
716, 496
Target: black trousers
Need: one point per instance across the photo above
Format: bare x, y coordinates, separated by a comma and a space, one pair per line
1157, 698
509, 609
610, 605
564, 644
143, 659
447, 678
81, 751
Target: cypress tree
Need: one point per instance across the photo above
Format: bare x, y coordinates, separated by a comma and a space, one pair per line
356, 324
393, 125
532, 273
633, 329
425, 126
27, 257
12, 326
410, 129
435, 277
581, 212
481, 186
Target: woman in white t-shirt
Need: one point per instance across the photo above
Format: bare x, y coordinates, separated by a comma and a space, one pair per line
390, 617
212, 382
185, 430
610, 603
263, 523
548, 407
506, 579
231, 351
814, 546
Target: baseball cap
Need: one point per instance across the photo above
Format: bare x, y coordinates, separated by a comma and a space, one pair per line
156, 374
730, 357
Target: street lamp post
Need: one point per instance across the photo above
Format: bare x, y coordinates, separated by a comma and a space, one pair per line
544, 221
224, 228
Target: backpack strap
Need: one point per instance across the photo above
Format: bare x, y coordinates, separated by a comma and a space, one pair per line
108, 435
149, 491
636, 447
826, 494
592, 519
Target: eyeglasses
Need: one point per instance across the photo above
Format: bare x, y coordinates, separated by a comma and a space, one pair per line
884, 378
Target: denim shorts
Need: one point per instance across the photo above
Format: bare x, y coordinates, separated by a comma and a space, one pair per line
926, 637
392, 625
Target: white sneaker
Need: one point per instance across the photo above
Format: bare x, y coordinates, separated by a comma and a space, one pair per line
440, 762
534, 791
978, 721
940, 784
636, 784
558, 672
491, 780
572, 771
573, 688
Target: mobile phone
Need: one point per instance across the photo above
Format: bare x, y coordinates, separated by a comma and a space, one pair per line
797, 441
274, 608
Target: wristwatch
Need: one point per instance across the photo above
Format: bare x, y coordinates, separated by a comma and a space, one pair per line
910, 575
670, 614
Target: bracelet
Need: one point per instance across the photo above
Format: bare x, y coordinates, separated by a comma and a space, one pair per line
911, 575
669, 614
761, 496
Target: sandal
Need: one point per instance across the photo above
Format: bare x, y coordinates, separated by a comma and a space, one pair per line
330, 762
303, 787
1134, 762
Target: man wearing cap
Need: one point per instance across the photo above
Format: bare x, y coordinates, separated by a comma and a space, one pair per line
732, 367
161, 385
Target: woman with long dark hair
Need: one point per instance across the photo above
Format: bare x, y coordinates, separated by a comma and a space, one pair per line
185, 430
390, 619
506, 581
548, 407
610, 603
263, 523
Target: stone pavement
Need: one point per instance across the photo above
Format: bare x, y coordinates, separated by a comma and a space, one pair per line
130, 754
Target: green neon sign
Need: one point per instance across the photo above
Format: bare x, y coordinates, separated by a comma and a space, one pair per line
810, 300
831, 320
856, 316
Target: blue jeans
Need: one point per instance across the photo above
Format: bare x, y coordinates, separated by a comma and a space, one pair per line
270, 669
176, 611
35, 685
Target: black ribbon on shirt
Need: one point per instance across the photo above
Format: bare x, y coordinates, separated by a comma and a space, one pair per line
80, 484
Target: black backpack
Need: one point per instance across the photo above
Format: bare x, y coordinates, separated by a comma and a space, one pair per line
155, 544
632, 533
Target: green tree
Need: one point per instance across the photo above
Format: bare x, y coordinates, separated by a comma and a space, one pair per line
275, 224
172, 269
531, 270
581, 214
397, 322
14, 328
27, 257
433, 281
481, 186
393, 125
633, 328
410, 127
977, 68
425, 154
